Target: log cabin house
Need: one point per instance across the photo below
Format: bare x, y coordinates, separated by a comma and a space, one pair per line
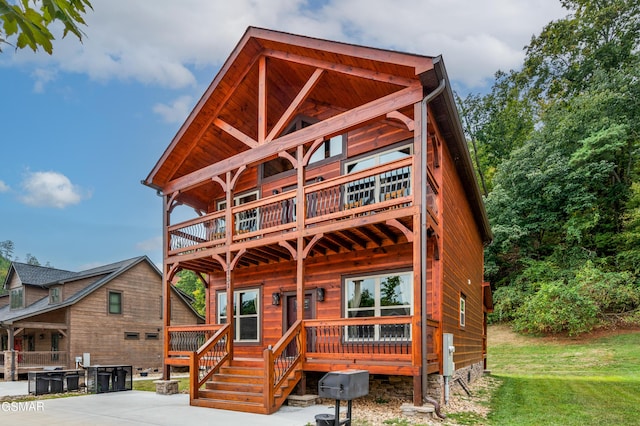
338, 222
112, 312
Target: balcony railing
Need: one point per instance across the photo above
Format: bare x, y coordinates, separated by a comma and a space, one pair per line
27, 359
385, 187
1, 358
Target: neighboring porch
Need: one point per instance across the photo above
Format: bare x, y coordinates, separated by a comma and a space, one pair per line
33, 346
261, 384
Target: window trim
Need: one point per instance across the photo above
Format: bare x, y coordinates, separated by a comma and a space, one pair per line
377, 308
119, 293
57, 290
462, 310
12, 295
236, 317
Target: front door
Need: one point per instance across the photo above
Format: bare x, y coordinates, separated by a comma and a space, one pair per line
291, 316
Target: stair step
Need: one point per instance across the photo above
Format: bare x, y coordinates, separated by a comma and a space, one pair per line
235, 378
234, 386
247, 362
242, 371
245, 407
232, 396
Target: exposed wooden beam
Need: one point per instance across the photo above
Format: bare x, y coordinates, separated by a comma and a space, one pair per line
408, 122
406, 231
343, 69
368, 234
40, 325
289, 247
226, 127
310, 245
339, 241
291, 109
262, 99
386, 232
355, 238
330, 127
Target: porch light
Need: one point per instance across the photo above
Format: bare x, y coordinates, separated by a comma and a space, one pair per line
320, 294
275, 299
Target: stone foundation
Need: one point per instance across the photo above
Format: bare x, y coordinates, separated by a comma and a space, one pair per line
467, 375
8, 364
166, 387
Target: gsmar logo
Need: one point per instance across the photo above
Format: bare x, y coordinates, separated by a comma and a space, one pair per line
22, 406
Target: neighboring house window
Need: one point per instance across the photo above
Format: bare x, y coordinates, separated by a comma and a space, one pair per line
379, 295
246, 307
115, 302
54, 295
463, 309
131, 335
17, 298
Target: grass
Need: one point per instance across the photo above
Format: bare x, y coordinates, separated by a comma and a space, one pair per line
593, 381
149, 386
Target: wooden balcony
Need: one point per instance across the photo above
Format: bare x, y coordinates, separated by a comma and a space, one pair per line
366, 200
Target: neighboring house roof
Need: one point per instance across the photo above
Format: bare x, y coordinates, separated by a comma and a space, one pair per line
37, 276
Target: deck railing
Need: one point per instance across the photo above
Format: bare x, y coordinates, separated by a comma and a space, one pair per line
1, 358
385, 187
28, 359
282, 362
183, 340
209, 358
382, 338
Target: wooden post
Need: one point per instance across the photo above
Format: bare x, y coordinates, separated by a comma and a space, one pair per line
228, 282
300, 219
419, 262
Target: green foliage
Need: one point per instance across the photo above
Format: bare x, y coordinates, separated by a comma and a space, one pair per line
29, 21
193, 286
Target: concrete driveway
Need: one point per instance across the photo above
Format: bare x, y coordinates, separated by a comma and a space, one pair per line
137, 407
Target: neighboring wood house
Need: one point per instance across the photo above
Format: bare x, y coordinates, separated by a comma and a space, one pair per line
337, 212
113, 312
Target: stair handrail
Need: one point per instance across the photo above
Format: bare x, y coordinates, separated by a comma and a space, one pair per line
278, 365
214, 352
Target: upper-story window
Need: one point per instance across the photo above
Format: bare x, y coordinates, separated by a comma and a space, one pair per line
332, 147
55, 295
246, 221
17, 298
115, 302
381, 187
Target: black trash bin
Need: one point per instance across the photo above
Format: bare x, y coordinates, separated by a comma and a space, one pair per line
42, 385
72, 382
325, 420
103, 381
56, 383
121, 379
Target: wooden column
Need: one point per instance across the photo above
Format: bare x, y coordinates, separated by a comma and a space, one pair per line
300, 218
166, 283
229, 237
420, 297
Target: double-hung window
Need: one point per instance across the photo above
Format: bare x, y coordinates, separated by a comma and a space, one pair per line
379, 295
17, 298
115, 302
246, 314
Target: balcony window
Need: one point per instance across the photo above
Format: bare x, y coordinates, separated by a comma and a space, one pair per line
374, 189
380, 295
246, 308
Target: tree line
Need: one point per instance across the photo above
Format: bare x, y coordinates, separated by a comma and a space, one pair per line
556, 149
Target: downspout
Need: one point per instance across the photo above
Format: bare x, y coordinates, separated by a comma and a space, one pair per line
423, 229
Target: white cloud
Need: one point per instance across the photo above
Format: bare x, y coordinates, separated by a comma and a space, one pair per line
161, 42
42, 77
4, 187
50, 189
177, 111
151, 244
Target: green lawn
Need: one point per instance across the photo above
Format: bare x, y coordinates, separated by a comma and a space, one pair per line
565, 382
148, 385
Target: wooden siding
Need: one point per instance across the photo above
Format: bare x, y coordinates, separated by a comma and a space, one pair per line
322, 271
462, 262
72, 287
101, 334
4, 300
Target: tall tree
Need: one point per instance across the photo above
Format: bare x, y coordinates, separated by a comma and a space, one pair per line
29, 21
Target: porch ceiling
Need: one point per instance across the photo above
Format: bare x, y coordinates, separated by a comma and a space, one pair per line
366, 236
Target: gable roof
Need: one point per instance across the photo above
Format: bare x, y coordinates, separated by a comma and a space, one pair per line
38, 277
230, 106
35, 275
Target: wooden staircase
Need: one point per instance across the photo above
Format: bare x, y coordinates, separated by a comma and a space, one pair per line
240, 387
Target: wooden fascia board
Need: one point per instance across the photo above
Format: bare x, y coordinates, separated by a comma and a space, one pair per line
419, 62
222, 73
328, 127
343, 69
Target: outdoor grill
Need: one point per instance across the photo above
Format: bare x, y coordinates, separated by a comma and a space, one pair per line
343, 385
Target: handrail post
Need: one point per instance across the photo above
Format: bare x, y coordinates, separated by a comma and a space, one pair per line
268, 378
194, 377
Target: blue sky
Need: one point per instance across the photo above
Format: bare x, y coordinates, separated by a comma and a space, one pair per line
81, 128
